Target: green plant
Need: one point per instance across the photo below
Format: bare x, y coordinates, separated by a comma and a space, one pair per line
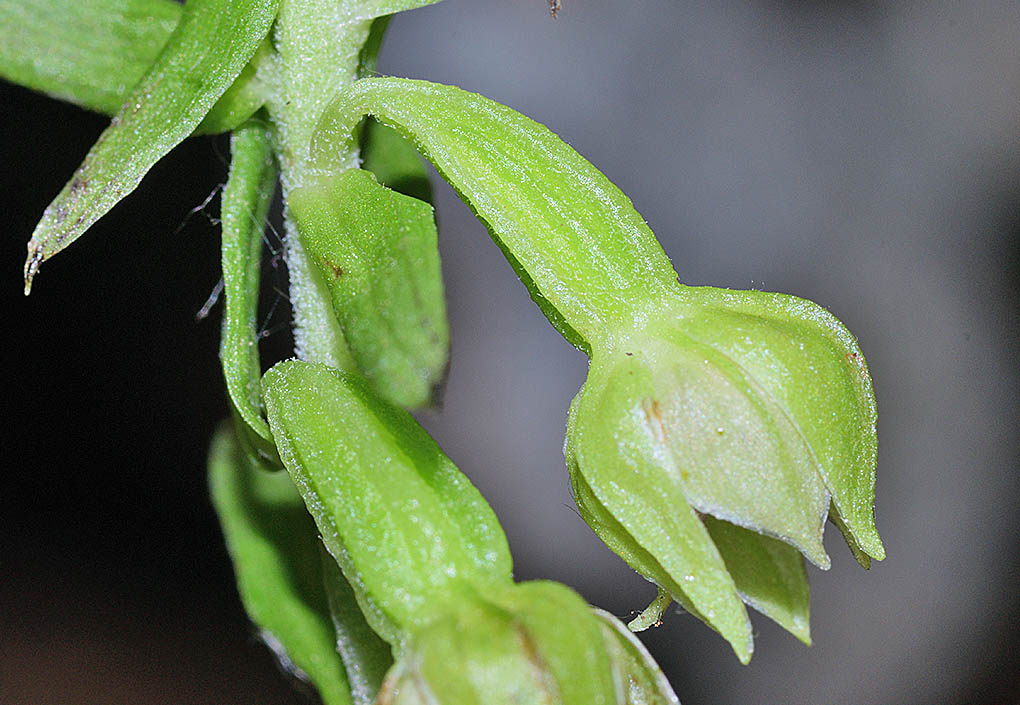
716, 432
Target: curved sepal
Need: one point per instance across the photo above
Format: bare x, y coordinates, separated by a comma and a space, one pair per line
704, 427
644, 517
574, 239
805, 360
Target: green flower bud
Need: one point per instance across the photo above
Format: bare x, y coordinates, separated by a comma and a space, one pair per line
532, 643
752, 407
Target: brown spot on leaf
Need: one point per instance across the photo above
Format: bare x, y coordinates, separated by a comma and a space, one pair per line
78, 184
856, 360
333, 267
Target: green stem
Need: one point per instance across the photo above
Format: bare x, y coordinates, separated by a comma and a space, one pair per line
317, 54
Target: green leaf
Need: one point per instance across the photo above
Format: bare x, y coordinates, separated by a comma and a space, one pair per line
93, 54
768, 573
575, 240
245, 201
88, 53
242, 99
274, 548
405, 525
376, 250
366, 657
203, 56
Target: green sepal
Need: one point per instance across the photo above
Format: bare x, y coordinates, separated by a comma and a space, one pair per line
274, 548
406, 527
702, 425
768, 573
575, 240
376, 250
204, 54
638, 679
656, 532
245, 202
366, 657
808, 364
530, 644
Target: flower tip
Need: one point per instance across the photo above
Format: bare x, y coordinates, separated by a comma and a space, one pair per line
32, 263
803, 633
864, 543
743, 651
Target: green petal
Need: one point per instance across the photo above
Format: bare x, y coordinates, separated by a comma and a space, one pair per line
203, 56
404, 524
768, 573
274, 547
376, 250
574, 239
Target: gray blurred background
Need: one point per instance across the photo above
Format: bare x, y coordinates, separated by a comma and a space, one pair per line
865, 155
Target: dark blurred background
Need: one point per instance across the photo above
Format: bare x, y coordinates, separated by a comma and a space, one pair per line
865, 155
